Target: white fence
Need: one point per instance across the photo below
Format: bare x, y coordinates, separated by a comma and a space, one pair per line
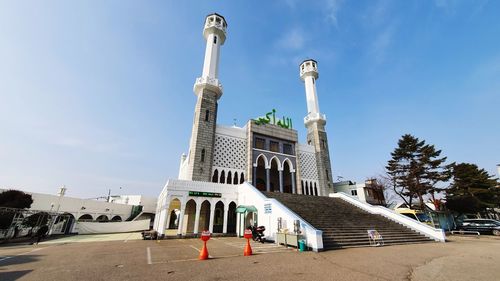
431, 232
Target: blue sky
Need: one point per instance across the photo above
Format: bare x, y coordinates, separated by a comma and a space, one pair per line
98, 94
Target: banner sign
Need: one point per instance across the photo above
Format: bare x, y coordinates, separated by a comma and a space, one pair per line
205, 194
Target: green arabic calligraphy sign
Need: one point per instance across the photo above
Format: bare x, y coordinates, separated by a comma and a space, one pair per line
270, 118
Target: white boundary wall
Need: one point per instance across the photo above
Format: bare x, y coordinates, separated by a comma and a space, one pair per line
433, 233
112, 227
249, 195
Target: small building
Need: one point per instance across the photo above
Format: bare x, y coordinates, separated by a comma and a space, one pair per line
369, 191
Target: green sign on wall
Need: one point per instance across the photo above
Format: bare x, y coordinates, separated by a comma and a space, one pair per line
270, 118
205, 194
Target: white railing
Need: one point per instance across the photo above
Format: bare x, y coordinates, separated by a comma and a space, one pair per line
307, 68
431, 232
248, 194
211, 83
314, 116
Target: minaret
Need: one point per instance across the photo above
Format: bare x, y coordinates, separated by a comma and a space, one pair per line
208, 90
315, 123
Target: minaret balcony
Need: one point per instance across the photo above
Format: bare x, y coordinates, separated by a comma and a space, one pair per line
315, 117
309, 67
209, 83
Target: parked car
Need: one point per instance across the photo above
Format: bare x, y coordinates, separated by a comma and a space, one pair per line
416, 215
481, 226
149, 234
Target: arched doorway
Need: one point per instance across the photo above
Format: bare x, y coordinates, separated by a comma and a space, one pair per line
85, 217
116, 218
102, 218
222, 177
260, 177
235, 180
274, 175
218, 217
287, 177
189, 217
204, 223
174, 211
231, 218
215, 177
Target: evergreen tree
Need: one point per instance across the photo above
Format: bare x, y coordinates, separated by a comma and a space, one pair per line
415, 169
472, 190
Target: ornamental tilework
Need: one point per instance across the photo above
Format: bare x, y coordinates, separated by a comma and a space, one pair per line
308, 169
230, 153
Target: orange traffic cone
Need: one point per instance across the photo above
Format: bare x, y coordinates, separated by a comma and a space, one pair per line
203, 252
248, 249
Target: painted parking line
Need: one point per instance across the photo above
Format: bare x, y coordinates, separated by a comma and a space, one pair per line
148, 255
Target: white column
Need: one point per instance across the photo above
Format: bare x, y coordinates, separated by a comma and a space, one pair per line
312, 99
224, 226
238, 224
181, 219
281, 180
197, 218
212, 211
164, 224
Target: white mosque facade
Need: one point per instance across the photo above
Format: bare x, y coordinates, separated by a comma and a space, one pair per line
221, 177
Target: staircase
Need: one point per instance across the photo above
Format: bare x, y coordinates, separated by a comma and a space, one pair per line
343, 224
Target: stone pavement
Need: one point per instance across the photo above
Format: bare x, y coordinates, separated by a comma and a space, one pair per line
464, 258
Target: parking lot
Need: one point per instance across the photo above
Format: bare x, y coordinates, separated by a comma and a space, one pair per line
126, 257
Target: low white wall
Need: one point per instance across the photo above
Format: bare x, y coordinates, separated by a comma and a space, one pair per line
112, 227
249, 195
78, 207
433, 233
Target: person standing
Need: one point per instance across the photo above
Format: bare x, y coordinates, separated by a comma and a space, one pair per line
42, 231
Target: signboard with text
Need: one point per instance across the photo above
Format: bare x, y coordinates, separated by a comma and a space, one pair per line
205, 194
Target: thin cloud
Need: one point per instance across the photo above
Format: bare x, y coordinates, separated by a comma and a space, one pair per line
292, 40
332, 10
381, 43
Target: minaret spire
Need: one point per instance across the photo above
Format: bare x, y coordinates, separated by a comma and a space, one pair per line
315, 123
215, 36
208, 91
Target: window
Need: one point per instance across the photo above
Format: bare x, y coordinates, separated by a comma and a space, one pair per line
203, 155
313, 80
309, 142
260, 143
215, 39
323, 143
207, 115
327, 176
274, 146
287, 149
354, 192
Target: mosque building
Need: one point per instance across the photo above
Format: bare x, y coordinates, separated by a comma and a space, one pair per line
224, 177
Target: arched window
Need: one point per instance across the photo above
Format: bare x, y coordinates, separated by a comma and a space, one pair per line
222, 177
207, 115
235, 180
242, 178
229, 178
215, 39
307, 188
302, 186
315, 189
203, 155
215, 177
